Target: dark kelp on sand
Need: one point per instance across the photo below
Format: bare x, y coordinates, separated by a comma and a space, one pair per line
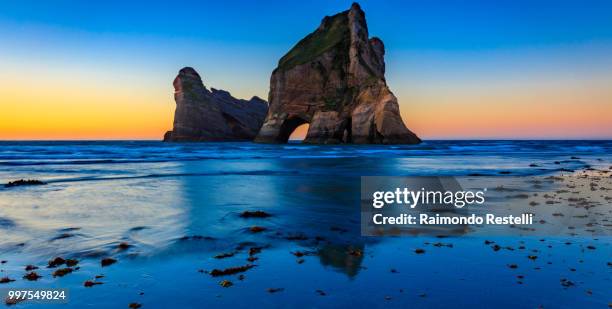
90, 283
62, 272
230, 271
24, 182
255, 214
56, 262
107, 262
32, 276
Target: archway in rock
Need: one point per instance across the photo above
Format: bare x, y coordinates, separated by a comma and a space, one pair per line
299, 134
288, 127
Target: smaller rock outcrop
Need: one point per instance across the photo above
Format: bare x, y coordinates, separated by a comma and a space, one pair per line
212, 115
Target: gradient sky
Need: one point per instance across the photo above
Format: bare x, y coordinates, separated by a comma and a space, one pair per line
460, 69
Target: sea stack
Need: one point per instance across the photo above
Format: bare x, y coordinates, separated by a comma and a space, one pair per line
334, 79
212, 115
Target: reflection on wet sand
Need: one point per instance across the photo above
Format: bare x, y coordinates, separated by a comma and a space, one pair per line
344, 258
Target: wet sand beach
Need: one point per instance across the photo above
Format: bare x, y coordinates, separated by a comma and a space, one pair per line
196, 225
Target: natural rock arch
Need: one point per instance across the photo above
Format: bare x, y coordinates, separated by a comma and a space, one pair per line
288, 126
334, 80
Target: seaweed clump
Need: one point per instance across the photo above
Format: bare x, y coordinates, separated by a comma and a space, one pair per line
107, 262
56, 262
24, 182
32, 276
62, 272
231, 270
255, 214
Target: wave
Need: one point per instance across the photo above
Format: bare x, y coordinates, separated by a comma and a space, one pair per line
237, 173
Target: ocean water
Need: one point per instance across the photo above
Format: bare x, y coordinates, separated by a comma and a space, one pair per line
178, 206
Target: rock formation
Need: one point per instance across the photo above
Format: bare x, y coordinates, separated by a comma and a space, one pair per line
203, 115
334, 80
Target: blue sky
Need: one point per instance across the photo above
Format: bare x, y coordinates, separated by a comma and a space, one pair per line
453, 47
457, 25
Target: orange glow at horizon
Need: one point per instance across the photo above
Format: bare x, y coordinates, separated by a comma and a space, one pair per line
66, 108
563, 111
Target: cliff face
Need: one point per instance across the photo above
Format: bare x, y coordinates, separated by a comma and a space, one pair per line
203, 115
334, 80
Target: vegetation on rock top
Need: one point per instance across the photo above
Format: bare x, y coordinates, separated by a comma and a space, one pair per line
335, 30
